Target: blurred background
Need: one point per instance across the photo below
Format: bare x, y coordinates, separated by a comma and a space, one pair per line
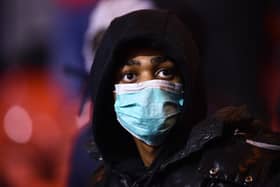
47, 47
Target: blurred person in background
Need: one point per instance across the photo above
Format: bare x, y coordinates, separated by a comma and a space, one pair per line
37, 123
149, 119
38, 120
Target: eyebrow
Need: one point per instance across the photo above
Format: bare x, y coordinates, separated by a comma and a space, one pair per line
155, 60
158, 59
132, 62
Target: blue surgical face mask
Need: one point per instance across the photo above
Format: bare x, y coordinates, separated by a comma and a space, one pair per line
149, 109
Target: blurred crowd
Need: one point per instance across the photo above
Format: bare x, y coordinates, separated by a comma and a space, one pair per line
47, 49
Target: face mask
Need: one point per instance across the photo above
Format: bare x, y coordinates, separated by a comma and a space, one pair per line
148, 110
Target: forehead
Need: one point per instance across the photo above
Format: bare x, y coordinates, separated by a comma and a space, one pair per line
133, 53
142, 55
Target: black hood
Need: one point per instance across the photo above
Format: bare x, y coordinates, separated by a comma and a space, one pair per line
155, 29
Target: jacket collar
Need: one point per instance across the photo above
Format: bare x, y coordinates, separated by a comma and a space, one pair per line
202, 133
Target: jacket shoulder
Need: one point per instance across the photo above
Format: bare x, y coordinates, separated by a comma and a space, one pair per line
243, 159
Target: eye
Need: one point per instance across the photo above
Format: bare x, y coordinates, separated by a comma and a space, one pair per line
128, 77
165, 73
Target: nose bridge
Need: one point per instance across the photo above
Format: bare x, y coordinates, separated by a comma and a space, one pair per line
146, 75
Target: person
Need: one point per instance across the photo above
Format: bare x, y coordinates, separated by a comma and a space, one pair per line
150, 123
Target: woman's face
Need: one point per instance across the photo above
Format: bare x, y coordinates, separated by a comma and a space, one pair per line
143, 65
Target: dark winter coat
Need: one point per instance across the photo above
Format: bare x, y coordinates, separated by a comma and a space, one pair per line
219, 151
216, 155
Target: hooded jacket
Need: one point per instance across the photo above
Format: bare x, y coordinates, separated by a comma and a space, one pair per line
182, 160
